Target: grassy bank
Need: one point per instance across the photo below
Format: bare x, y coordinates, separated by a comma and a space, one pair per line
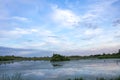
19, 76
117, 78
16, 76
9, 58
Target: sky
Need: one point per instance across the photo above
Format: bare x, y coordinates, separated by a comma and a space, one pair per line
69, 27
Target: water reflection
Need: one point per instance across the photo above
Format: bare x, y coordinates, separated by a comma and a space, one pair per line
117, 62
58, 64
6, 62
46, 70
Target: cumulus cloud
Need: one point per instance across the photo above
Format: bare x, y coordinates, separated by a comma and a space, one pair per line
65, 17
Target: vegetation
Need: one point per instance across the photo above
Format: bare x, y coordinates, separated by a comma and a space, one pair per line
16, 76
117, 78
98, 56
58, 57
8, 58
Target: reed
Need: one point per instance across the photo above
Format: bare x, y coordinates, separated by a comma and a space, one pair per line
16, 76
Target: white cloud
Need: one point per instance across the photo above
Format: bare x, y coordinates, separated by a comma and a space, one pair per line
16, 33
62, 18
51, 43
65, 17
39, 32
98, 12
45, 32
20, 18
92, 32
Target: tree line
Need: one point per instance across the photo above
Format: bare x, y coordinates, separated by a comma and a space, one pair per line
98, 56
7, 58
58, 57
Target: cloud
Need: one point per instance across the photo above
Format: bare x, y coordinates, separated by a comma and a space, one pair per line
65, 17
88, 38
59, 27
54, 36
20, 18
16, 33
116, 23
45, 32
92, 51
38, 38
92, 32
24, 52
117, 33
41, 32
6, 11
99, 11
96, 14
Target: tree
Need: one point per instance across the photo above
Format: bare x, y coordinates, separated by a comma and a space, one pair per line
58, 57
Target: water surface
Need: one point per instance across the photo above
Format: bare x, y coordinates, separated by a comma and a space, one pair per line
45, 70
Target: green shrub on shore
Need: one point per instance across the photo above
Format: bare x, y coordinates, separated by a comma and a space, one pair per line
58, 57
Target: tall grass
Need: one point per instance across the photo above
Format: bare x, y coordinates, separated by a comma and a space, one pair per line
16, 76
117, 78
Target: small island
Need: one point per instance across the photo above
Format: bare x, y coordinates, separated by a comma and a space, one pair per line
58, 57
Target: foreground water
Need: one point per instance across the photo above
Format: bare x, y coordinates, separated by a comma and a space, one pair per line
45, 70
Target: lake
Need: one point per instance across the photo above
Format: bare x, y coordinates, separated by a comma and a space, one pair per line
45, 70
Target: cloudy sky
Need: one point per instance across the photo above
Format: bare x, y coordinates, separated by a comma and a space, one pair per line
66, 26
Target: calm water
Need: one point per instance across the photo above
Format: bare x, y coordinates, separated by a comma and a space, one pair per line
45, 70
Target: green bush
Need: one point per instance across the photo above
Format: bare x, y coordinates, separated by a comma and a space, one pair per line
58, 57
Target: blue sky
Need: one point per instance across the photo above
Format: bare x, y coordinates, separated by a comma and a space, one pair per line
67, 26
